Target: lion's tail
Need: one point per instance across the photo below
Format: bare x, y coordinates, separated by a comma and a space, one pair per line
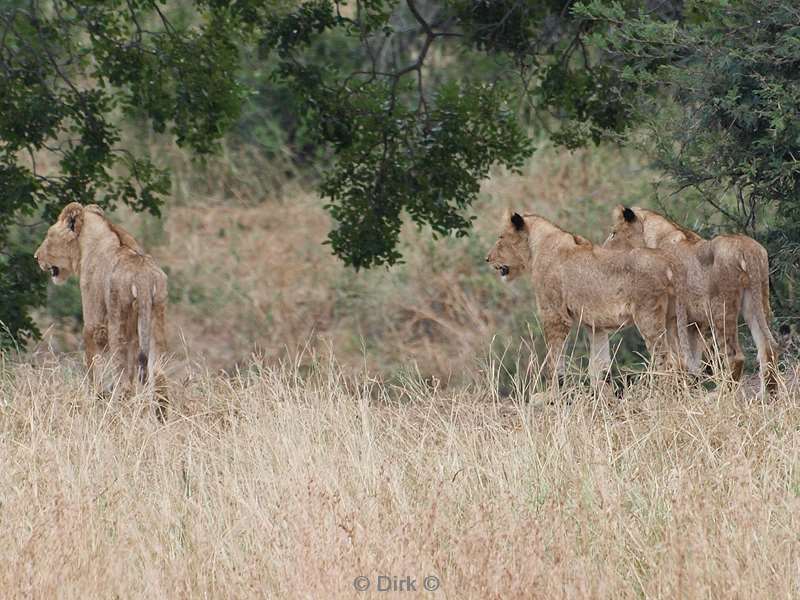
144, 326
757, 311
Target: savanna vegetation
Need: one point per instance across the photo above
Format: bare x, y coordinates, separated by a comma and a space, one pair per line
353, 391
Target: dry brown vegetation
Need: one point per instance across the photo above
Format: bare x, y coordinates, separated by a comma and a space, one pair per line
284, 484
328, 425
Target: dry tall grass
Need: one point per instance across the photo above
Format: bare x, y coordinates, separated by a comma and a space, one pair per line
290, 483
290, 475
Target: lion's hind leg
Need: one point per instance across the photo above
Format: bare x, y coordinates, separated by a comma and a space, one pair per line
158, 352
726, 325
753, 310
119, 337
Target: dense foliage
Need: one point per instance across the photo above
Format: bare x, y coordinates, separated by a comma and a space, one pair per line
401, 106
719, 91
414, 137
68, 71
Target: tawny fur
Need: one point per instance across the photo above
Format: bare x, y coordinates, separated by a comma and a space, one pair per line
123, 291
725, 277
577, 282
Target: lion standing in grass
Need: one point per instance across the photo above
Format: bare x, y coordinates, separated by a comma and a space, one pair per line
123, 292
725, 277
603, 290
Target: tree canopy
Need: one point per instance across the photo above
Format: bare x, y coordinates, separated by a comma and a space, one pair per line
71, 74
719, 93
407, 104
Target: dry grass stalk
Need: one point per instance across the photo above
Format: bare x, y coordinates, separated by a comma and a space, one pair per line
289, 482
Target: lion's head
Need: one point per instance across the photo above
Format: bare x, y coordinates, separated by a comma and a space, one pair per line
60, 252
511, 253
628, 229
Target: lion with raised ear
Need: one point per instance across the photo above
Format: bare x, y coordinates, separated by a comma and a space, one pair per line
576, 282
725, 277
123, 292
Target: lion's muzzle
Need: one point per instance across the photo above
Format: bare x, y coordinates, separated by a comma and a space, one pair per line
54, 271
43, 265
503, 269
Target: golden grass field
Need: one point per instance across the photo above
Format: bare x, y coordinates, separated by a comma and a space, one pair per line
328, 425
290, 483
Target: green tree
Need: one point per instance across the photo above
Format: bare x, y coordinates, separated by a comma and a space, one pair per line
407, 104
719, 93
71, 73
410, 136
401, 137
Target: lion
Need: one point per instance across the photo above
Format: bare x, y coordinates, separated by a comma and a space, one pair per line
725, 277
123, 292
601, 289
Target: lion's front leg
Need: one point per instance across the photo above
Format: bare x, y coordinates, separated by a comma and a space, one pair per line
696, 348
555, 334
95, 343
600, 359
95, 335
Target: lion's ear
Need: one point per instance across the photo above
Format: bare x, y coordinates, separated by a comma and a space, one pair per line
518, 222
628, 215
72, 215
623, 213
